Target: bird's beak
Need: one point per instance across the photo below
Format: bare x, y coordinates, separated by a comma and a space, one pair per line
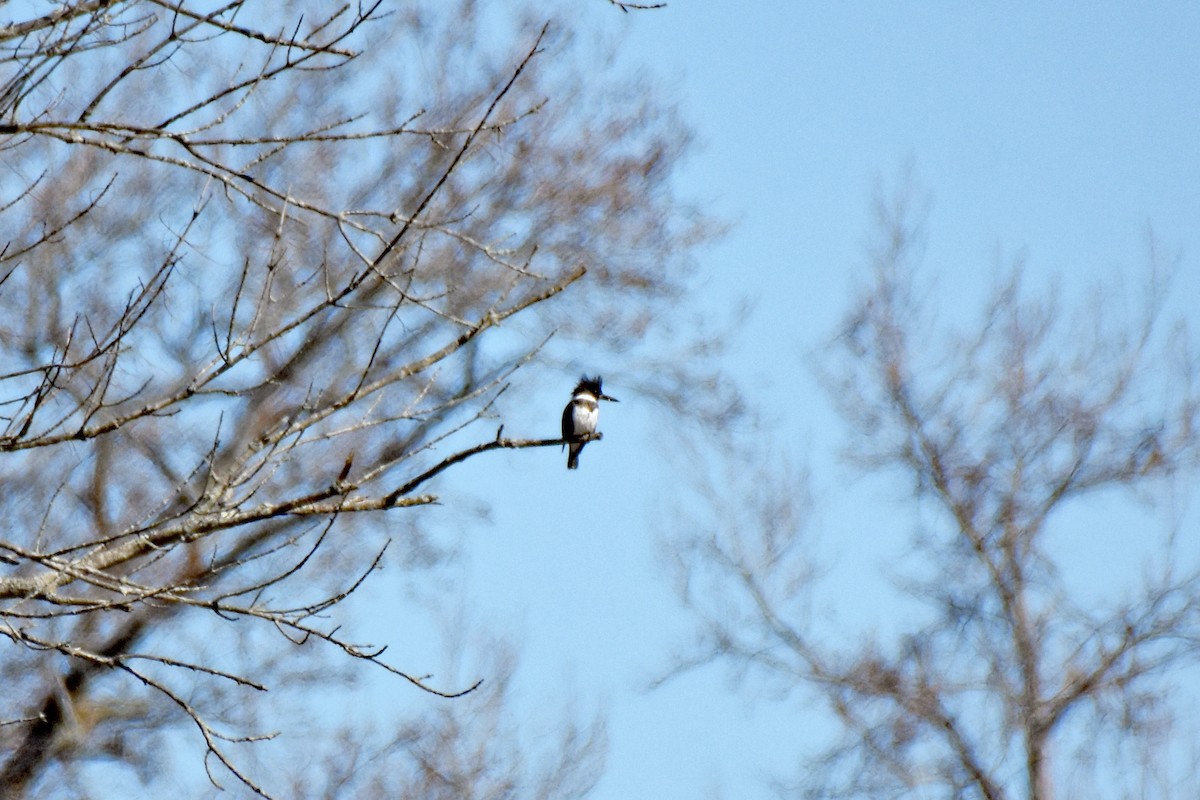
611, 399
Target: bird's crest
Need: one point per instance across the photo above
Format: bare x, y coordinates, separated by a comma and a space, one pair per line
589, 385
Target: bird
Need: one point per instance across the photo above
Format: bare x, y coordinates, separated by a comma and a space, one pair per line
581, 414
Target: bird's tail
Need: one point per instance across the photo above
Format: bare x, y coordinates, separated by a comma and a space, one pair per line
573, 456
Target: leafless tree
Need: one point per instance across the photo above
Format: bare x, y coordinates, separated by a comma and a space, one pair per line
265, 270
1015, 669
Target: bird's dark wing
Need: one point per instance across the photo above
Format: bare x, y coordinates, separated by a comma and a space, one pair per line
568, 429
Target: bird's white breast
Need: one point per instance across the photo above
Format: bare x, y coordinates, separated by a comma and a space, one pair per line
584, 413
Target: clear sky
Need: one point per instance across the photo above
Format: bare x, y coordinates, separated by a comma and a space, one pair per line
1059, 133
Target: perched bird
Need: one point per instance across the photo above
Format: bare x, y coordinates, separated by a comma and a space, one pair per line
581, 414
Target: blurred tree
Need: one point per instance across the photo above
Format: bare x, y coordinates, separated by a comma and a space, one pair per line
1014, 669
254, 263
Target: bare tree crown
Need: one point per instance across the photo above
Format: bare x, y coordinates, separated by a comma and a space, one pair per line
249, 258
1008, 681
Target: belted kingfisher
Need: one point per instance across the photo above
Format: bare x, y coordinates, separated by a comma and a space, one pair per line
580, 415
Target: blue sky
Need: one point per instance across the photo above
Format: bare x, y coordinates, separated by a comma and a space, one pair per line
1056, 133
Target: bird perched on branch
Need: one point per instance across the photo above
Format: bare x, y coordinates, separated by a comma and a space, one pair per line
580, 416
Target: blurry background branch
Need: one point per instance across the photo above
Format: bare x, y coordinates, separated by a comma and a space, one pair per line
1004, 675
